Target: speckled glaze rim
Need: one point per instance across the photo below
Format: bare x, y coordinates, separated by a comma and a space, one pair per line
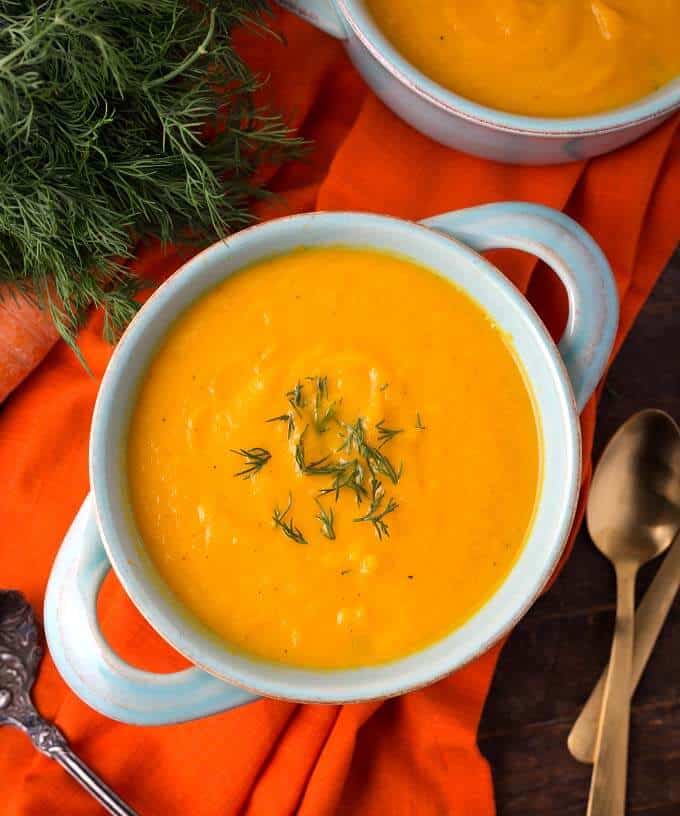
653, 106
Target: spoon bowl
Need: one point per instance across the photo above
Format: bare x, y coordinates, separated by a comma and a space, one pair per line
633, 509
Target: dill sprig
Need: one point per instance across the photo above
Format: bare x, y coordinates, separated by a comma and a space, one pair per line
325, 412
355, 438
327, 519
379, 463
256, 459
349, 475
289, 419
351, 465
375, 514
419, 423
296, 399
386, 434
288, 528
103, 112
320, 467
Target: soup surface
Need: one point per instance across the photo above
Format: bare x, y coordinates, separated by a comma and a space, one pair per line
539, 57
389, 493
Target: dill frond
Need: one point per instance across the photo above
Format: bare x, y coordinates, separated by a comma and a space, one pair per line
327, 519
376, 512
288, 528
103, 113
255, 460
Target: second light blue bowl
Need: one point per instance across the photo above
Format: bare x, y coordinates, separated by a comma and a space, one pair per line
458, 122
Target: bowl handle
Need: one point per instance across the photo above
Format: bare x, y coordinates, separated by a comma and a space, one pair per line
580, 263
86, 661
320, 13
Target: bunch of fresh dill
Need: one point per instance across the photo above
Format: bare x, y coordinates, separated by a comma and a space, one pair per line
103, 108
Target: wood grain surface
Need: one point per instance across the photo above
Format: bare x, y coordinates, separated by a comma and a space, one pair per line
556, 654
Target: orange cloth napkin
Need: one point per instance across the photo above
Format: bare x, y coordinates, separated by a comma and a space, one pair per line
414, 754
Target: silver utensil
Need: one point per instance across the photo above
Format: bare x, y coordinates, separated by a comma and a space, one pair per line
20, 655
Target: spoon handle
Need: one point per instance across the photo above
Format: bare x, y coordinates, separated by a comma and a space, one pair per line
608, 782
49, 740
649, 620
92, 783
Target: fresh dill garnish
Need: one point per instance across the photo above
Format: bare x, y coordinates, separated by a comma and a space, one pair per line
323, 414
379, 463
355, 438
288, 528
375, 514
316, 468
355, 465
419, 423
105, 112
377, 496
289, 418
386, 434
321, 385
350, 475
296, 398
327, 519
256, 459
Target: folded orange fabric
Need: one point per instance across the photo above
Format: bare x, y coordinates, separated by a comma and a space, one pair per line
415, 754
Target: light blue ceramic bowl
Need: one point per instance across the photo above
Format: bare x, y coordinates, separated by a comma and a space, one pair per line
104, 533
458, 122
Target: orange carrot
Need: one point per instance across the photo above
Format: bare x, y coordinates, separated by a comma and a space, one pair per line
26, 335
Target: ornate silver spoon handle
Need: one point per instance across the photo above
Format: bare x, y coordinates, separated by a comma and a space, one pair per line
20, 655
49, 740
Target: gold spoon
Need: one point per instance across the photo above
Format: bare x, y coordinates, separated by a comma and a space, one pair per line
633, 513
649, 619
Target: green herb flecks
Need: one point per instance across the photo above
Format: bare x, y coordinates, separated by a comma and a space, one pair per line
256, 459
327, 519
288, 418
419, 423
377, 462
385, 434
377, 513
316, 468
349, 475
296, 399
355, 465
354, 437
325, 412
288, 527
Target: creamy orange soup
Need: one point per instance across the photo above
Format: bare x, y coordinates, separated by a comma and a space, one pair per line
539, 57
334, 458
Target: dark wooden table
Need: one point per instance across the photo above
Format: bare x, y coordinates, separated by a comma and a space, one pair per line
555, 655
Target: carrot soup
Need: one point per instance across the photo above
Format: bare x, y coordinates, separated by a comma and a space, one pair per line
334, 458
538, 57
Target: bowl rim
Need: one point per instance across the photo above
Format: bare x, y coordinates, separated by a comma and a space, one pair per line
204, 649
648, 108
